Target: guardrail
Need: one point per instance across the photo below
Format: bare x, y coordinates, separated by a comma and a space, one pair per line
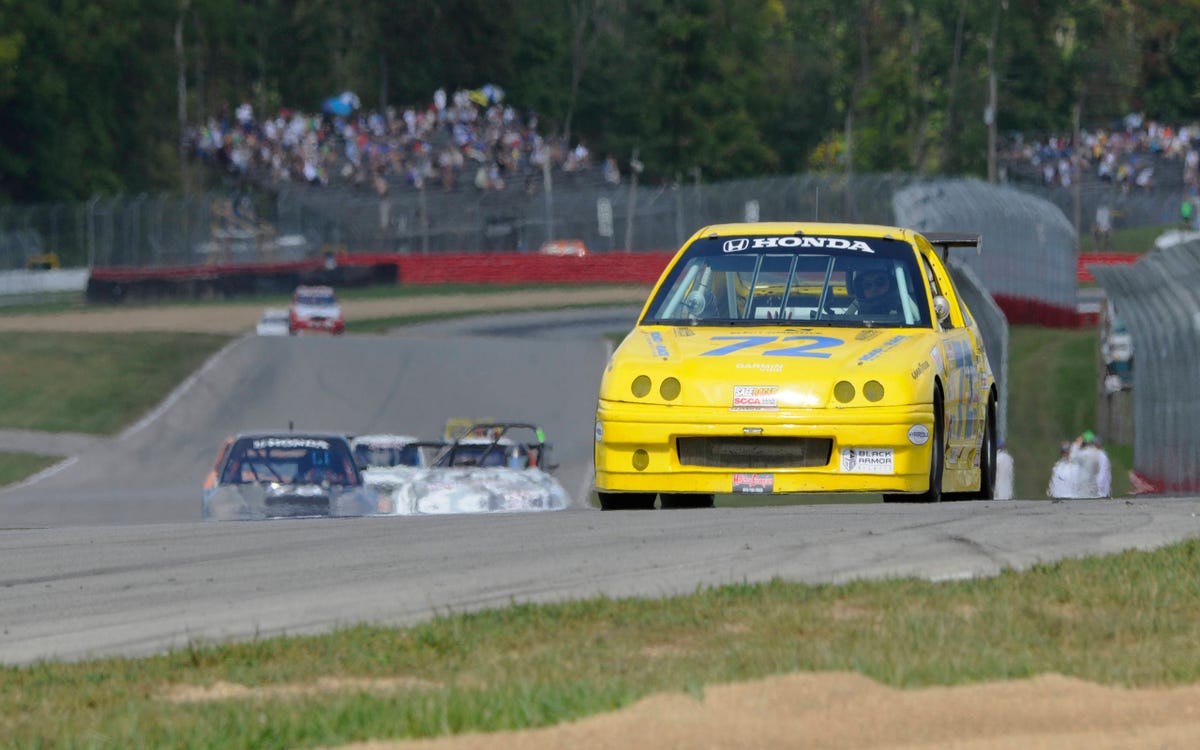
1159, 299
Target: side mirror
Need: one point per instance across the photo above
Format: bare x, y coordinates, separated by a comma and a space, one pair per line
941, 308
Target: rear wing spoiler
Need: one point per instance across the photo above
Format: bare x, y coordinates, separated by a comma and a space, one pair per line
946, 240
493, 431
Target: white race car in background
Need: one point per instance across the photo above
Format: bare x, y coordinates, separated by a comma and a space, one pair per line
274, 322
484, 469
380, 451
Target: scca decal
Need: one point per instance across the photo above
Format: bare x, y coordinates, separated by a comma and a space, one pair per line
814, 347
758, 243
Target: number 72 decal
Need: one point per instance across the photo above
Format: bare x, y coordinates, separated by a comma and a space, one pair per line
815, 347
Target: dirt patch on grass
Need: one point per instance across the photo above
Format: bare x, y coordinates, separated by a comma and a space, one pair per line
839, 710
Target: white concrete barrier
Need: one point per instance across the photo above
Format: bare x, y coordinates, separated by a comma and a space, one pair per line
24, 282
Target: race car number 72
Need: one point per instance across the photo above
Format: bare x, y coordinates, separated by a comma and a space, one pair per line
814, 348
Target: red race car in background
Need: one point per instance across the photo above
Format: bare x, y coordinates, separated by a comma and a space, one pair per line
315, 308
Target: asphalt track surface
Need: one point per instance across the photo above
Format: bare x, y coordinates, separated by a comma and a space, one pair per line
107, 555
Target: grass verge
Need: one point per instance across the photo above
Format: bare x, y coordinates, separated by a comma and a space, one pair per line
15, 467
1137, 240
93, 382
1126, 619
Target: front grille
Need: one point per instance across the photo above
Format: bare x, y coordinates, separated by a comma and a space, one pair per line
754, 452
298, 504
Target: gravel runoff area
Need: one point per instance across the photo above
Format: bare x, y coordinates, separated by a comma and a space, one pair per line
839, 710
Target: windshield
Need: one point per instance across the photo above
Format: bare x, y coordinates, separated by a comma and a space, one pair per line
290, 460
378, 455
316, 300
840, 281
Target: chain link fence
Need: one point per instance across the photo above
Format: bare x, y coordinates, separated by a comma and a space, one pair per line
1159, 299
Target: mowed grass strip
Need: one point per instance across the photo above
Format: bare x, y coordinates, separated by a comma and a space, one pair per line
17, 466
93, 383
1126, 619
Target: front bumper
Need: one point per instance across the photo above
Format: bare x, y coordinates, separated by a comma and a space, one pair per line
327, 325
629, 436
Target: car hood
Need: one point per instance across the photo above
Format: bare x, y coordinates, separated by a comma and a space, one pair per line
767, 369
318, 311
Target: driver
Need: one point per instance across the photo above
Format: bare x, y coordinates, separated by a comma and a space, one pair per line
875, 293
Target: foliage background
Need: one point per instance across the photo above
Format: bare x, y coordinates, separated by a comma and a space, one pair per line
90, 91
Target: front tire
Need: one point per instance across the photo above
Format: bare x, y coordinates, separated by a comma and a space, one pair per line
937, 452
626, 500
937, 460
678, 500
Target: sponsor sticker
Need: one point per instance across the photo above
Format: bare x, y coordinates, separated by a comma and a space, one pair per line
868, 461
753, 484
762, 366
291, 443
840, 243
655, 340
918, 434
755, 398
882, 348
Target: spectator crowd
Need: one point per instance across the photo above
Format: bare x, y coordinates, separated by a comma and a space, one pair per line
468, 138
1131, 156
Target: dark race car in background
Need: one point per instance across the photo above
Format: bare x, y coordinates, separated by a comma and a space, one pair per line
285, 475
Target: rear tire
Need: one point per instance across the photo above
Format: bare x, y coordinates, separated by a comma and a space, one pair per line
626, 500
987, 458
678, 500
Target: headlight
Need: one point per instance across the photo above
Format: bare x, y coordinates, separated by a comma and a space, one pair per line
873, 390
641, 386
843, 392
669, 389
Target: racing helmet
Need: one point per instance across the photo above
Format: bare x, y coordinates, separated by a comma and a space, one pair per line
870, 269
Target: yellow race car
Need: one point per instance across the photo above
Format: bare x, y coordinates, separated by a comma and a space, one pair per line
778, 358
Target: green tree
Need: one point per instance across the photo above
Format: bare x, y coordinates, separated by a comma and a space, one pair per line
1169, 37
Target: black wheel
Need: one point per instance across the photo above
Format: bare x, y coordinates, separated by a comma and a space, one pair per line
626, 500
937, 453
677, 500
